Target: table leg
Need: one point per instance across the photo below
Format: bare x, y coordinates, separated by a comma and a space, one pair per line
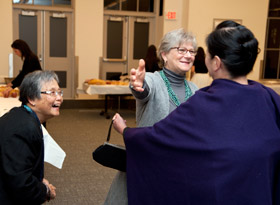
105, 112
119, 103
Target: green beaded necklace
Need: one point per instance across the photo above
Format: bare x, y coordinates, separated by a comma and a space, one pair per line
171, 93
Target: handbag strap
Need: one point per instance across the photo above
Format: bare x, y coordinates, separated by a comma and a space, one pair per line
109, 131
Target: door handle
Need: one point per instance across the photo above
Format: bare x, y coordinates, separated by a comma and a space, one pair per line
40, 58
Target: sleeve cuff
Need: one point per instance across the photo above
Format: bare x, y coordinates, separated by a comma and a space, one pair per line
124, 130
48, 194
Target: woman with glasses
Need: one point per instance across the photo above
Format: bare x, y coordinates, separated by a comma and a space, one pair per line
21, 141
220, 147
158, 94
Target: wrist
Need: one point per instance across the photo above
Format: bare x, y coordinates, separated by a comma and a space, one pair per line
48, 194
124, 130
131, 86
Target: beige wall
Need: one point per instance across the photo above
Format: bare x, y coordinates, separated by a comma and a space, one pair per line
199, 16
6, 35
180, 21
88, 37
252, 13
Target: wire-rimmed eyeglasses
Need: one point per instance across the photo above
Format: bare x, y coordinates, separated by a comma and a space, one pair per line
184, 51
53, 93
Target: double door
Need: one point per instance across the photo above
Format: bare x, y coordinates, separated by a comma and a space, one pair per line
126, 39
50, 36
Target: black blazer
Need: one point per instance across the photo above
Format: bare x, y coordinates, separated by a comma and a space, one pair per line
29, 65
21, 158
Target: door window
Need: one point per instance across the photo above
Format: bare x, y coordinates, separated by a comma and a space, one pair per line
44, 2
130, 5
22, 1
271, 68
141, 39
28, 31
114, 39
58, 37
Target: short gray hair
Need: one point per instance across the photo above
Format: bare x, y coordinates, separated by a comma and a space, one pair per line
31, 85
174, 38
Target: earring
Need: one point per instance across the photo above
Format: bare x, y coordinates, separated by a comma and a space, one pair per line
33, 104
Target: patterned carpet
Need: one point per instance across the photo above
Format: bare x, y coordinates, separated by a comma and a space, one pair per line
81, 180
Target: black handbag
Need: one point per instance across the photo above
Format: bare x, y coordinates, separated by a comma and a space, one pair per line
110, 155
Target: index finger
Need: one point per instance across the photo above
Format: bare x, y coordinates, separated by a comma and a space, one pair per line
141, 65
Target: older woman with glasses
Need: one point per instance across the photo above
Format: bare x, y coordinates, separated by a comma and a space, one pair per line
158, 94
21, 141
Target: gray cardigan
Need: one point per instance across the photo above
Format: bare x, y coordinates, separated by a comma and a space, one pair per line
155, 106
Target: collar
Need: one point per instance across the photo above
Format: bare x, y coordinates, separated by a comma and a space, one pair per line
32, 113
173, 78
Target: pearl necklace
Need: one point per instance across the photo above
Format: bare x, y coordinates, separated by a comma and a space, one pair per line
170, 91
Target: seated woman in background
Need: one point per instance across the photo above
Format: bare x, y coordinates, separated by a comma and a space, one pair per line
151, 60
200, 77
159, 93
222, 146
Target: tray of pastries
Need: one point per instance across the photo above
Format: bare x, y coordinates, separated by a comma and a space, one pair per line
106, 82
13, 93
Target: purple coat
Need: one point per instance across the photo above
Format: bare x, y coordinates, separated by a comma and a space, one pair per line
220, 147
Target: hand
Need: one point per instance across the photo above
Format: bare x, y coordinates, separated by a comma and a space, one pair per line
6, 92
52, 191
51, 188
9, 85
137, 76
46, 182
119, 123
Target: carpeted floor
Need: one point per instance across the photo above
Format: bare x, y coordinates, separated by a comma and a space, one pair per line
81, 180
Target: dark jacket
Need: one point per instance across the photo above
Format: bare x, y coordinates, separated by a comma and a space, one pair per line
29, 65
21, 158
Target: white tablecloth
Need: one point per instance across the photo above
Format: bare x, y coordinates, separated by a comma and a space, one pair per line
8, 103
124, 89
274, 86
106, 89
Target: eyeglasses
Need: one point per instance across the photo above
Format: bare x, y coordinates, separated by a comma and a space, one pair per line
184, 51
53, 93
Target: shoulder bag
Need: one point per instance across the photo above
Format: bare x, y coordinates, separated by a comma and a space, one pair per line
110, 155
